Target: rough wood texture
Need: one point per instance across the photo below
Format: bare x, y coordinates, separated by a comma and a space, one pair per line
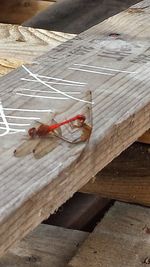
126, 178
31, 189
46, 246
20, 45
121, 239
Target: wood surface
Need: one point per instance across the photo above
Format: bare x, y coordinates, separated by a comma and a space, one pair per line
20, 45
121, 239
126, 178
17, 12
31, 189
46, 246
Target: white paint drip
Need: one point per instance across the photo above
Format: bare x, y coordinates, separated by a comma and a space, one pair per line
103, 68
92, 71
59, 83
56, 90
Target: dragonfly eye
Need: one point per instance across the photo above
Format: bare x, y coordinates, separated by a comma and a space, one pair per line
32, 132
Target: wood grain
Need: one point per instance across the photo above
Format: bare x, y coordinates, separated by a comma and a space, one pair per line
126, 178
46, 246
20, 45
121, 239
31, 189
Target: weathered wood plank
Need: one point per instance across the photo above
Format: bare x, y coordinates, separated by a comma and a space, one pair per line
20, 45
31, 189
46, 246
126, 178
121, 239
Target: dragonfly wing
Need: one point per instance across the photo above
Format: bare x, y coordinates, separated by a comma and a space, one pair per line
26, 148
45, 146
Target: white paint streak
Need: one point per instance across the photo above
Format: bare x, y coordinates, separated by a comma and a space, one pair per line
92, 71
23, 118
59, 83
11, 129
56, 90
104, 68
43, 91
28, 110
59, 79
6, 128
42, 96
16, 124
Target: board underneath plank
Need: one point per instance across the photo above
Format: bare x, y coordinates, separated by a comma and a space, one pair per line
46, 246
31, 189
121, 239
20, 45
126, 178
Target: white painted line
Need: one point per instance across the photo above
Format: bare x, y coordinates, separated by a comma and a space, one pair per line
23, 118
43, 91
59, 79
28, 110
104, 68
16, 124
92, 71
56, 90
59, 83
41, 96
6, 128
11, 129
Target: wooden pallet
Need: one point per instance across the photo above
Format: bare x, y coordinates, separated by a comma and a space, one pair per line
36, 198
46, 246
121, 239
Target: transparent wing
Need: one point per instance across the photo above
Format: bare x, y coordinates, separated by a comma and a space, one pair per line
26, 147
45, 146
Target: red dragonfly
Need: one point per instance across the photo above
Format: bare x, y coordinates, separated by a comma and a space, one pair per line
45, 137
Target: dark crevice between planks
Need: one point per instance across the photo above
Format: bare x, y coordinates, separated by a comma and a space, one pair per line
81, 212
76, 16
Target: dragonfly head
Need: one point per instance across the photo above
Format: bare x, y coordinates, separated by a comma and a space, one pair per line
32, 132
81, 119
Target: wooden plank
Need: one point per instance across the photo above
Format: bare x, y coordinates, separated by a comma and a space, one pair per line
126, 178
20, 45
46, 246
31, 189
121, 239
14, 11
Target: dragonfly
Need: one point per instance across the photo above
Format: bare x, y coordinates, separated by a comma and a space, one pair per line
42, 138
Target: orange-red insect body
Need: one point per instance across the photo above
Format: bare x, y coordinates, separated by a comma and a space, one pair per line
44, 129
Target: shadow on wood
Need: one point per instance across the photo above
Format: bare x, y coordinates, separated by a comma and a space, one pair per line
126, 178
